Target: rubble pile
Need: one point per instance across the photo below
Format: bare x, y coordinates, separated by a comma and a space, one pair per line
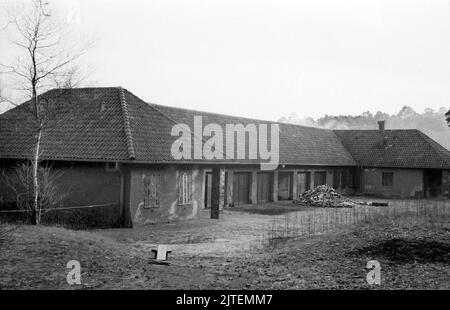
324, 196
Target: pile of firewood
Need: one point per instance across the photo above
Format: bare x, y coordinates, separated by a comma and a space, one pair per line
324, 196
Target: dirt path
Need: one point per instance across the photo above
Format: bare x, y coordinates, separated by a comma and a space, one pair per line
232, 234
206, 252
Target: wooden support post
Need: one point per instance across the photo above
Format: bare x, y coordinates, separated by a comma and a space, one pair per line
230, 187
254, 188
294, 185
311, 183
126, 197
275, 186
215, 193
222, 189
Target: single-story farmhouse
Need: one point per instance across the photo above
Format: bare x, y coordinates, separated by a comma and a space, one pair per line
115, 149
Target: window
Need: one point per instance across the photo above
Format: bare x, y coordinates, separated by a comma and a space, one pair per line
320, 178
388, 179
185, 188
151, 189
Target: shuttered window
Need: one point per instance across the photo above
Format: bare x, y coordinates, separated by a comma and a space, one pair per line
185, 188
151, 190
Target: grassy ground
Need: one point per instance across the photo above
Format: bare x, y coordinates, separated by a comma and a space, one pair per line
35, 257
224, 255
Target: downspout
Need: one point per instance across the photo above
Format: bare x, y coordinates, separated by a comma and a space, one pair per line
125, 197
121, 199
125, 175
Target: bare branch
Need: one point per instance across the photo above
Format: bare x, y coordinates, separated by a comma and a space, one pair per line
48, 60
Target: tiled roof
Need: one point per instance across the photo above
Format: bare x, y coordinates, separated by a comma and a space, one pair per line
402, 148
112, 124
89, 125
152, 124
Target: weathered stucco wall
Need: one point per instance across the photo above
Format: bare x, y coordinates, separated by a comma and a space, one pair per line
94, 184
85, 185
407, 183
80, 185
169, 209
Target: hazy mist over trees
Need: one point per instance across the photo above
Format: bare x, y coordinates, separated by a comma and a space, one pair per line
431, 122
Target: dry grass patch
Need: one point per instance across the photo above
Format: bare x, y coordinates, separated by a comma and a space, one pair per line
411, 256
35, 257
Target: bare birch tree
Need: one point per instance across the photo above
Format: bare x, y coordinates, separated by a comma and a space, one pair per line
47, 55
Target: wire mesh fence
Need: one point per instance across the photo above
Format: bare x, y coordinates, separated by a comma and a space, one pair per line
74, 217
324, 220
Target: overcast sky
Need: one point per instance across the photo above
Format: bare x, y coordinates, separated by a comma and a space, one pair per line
266, 59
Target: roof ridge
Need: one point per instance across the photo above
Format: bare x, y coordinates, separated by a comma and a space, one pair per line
152, 106
373, 130
126, 123
213, 113
345, 147
234, 116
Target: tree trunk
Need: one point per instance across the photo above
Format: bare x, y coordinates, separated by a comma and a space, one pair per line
35, 161
36, 210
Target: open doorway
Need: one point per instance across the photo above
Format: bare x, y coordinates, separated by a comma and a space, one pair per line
241, 188
285, 183
208, 189
432, 183
264, 186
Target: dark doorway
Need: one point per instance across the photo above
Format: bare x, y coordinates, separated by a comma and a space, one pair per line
265, 186
208, 189
320, 178
303, 182
285, 185
241, 188
432, 182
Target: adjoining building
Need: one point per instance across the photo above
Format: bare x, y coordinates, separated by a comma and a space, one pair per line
114, 149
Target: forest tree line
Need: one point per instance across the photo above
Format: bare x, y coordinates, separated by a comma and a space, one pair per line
431, 122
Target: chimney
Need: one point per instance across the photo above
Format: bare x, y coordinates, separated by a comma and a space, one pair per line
381, 132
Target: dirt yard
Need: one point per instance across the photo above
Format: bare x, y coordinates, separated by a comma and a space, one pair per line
231, 252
